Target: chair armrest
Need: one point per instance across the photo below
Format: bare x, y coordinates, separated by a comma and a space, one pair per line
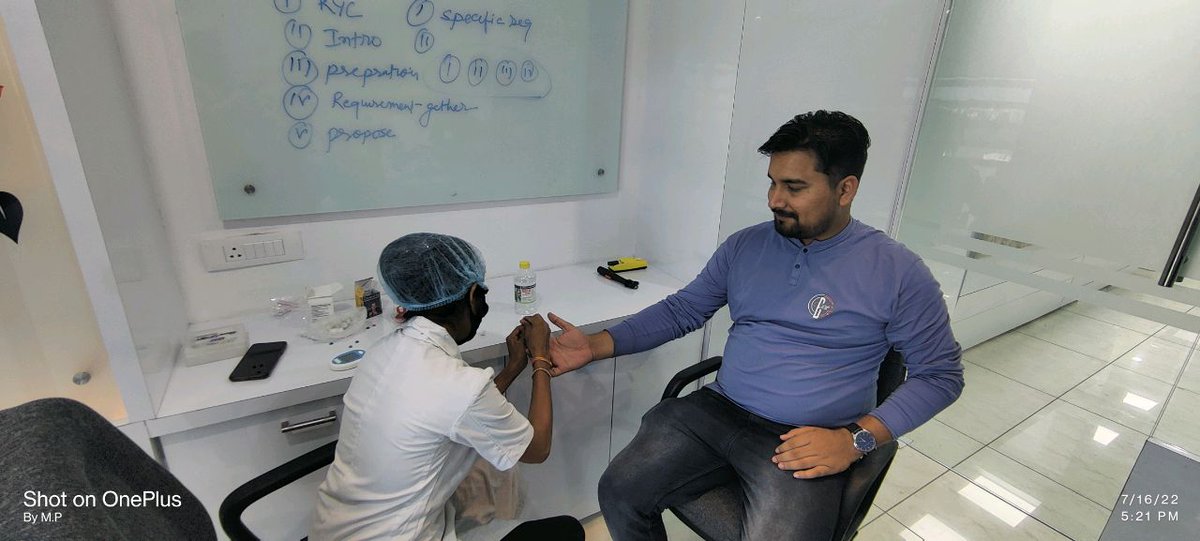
255, 489
689, 375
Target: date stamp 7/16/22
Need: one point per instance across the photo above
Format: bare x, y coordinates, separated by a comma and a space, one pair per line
1149, 507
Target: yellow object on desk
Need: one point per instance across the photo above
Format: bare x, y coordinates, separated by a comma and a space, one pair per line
627, 264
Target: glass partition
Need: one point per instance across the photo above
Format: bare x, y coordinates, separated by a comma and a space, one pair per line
1055, 163
50, 344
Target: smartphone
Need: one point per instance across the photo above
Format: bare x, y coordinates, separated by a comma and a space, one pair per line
258, 361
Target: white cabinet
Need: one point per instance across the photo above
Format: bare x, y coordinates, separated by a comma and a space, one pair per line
565, 484
212, 461
640, 380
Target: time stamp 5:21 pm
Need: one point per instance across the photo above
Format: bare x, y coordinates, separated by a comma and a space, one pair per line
1149, 500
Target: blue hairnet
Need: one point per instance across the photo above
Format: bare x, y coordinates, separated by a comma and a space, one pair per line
421, 271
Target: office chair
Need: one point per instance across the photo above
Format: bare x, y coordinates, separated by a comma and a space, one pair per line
716, 514
230, 512
58, 446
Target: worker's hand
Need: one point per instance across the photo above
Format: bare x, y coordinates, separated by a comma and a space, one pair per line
813, 452
518, 358
570, 349
537, 335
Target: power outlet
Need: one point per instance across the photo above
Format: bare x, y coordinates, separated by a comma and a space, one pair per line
249, 250
232, 253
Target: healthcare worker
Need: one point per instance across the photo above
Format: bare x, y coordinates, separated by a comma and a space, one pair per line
417, 416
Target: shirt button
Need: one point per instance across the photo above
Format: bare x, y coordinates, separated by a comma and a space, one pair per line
806, 250
797, 266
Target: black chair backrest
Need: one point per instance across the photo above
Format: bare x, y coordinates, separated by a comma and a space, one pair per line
230, 512
891, 375
57, 446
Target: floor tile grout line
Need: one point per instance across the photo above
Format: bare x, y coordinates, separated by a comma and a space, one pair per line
1093, 374
1100, 359
976, 485
1111, 363
918, 489
951, 470
1009, 378
1076, 492
1161, 325
989, 445
900, 522
1041, 409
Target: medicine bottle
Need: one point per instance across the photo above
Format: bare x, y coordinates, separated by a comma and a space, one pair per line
525, 290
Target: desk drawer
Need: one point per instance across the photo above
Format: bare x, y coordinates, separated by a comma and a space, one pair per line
213, 460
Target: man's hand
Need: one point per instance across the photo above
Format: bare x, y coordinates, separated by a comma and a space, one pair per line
570, 349
518, 358
537, 335
816, 452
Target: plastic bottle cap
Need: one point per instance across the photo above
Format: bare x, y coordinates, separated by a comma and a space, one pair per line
524, 264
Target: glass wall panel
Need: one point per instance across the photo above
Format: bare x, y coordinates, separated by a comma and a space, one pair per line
50, 343
1055, 162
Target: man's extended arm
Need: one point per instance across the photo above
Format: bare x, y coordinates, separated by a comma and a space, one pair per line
680, 313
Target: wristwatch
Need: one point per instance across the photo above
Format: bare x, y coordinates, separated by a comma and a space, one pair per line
864, 440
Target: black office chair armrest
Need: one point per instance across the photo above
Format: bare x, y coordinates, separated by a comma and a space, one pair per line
689, 375
256, 489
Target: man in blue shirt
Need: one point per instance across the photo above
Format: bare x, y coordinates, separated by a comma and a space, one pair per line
817, 298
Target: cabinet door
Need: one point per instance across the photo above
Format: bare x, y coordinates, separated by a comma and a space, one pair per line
214, 460
640, 380
565, 484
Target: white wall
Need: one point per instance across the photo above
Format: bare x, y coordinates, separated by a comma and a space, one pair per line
869, 59
341, 246
83, 46
30, 51
679, 79
679, 92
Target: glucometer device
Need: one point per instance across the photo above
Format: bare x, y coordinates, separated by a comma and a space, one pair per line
347, 360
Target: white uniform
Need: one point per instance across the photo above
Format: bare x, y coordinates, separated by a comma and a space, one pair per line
416, 418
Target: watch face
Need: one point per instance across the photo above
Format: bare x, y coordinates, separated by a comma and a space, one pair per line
864, 441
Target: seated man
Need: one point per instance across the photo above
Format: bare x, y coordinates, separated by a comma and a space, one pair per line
417, 416
817, 298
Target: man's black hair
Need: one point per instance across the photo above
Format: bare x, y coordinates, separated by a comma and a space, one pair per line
838, 140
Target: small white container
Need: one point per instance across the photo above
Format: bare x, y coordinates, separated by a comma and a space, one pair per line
210, 345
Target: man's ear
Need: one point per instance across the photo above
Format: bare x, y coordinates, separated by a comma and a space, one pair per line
471, 299
847, 189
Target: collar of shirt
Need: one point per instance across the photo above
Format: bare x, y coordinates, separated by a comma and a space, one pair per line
850, 230
422, 329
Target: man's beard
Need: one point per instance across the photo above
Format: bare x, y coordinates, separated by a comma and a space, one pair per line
796, 230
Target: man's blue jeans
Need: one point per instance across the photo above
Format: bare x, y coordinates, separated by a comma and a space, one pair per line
689, 445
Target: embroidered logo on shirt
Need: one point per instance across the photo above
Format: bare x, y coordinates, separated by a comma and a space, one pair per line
820, 306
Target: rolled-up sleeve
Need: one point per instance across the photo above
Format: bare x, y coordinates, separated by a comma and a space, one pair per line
494, 428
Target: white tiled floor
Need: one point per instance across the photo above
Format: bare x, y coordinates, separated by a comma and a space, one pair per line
1047, 430
1042, 440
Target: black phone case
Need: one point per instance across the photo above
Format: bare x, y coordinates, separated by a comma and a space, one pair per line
258, 361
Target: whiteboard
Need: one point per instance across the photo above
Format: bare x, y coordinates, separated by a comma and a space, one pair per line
313, 106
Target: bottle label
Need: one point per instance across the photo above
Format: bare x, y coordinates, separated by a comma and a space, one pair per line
524, 294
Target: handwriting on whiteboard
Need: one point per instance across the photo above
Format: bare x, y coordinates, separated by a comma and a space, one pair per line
335, 83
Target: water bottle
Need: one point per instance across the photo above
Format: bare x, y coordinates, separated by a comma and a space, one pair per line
525, 290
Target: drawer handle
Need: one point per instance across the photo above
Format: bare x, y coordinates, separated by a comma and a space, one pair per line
286, 427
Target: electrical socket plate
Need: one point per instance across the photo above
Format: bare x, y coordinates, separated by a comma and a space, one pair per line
249, 250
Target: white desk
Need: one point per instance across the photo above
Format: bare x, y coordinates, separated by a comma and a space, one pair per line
216, 434
201, 395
